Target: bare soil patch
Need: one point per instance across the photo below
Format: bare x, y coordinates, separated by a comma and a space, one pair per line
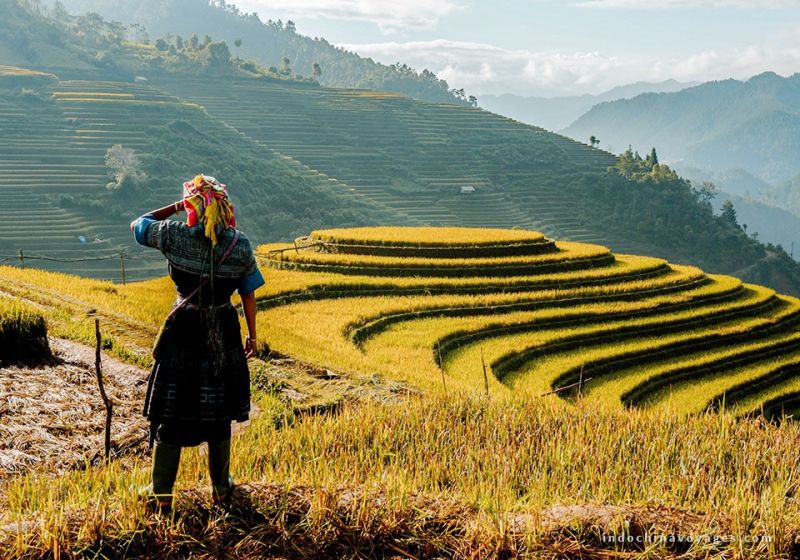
53, 416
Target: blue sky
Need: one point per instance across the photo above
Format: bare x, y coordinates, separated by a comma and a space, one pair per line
549, 47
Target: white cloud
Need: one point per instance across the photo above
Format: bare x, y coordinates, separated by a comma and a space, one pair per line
389, 15
667, 4
485, 69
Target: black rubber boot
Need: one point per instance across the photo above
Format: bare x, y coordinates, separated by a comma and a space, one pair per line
166, 459
219, 467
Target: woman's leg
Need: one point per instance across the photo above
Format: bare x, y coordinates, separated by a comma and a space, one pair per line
219, 467
166, 458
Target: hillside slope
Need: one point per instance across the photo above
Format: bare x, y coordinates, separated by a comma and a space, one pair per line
723, 125
416, 157
268, 43
303, 156
55, 177
425, 305
339, 157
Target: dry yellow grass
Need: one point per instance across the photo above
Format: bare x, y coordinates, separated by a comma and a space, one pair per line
425, 236
511, 453
503, 457
568, 251
23, 333
6, 70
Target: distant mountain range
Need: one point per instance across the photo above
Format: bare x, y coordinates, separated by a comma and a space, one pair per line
770, 224
752, 125
556, 113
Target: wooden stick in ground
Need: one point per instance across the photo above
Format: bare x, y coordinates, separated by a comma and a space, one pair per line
580, 384
106, 401
565, 387
485, 376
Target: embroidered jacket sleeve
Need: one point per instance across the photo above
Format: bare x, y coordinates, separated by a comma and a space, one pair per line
140, 228
252, 279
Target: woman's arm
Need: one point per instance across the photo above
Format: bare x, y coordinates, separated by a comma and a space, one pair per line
165, 212
249, 307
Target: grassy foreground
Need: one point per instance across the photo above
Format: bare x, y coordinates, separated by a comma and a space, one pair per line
462, 473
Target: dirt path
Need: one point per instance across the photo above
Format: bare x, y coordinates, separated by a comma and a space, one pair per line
53, 416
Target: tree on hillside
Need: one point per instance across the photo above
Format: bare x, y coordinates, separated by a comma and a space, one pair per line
59, 12
706, 193
286, 69
217, 54
317, 70
594, 141
237, 43
161, 44
653, 157
194, 41
729, 213
139, 33
124, 166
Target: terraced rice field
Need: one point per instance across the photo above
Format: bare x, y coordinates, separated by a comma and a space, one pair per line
438, 307
57, 146
413, 156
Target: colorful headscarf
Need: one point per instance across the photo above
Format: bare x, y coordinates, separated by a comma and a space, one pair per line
206, 200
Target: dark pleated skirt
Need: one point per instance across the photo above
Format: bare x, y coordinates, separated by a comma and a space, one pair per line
200, 381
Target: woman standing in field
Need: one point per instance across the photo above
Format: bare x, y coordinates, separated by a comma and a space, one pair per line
200, 382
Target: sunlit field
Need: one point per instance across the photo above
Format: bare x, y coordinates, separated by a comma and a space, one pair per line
616, 384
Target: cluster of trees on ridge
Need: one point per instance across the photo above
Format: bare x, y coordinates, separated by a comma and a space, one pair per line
265, 43
90, 45
642, 198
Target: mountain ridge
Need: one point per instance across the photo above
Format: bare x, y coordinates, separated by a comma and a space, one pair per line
269, 42
556, 113
720, 125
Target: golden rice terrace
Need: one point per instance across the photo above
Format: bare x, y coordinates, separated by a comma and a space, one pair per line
510, 310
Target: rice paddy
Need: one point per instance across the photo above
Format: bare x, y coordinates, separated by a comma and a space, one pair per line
448, 309
616, 384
